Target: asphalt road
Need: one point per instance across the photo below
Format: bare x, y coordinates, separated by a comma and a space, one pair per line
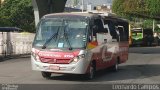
142, 67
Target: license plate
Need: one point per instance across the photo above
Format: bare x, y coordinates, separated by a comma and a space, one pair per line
54, 67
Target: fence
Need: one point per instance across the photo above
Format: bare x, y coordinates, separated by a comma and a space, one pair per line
13, 43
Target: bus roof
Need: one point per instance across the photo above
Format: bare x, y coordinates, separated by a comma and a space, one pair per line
75, 14
104, 15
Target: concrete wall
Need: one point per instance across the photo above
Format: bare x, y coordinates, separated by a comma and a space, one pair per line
12, 43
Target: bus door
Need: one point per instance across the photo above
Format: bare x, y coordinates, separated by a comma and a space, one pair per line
123, 43
99, 34
112, 42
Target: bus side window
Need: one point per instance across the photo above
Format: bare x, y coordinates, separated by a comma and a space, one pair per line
122, 34
99, 32
95, 28
113, 31
106, 30
99, 24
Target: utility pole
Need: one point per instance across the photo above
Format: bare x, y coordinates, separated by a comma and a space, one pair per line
82, 5
75, 2
153, 25
0, 2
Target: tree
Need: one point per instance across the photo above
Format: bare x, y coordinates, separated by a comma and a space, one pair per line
153, 7
141, 8
118, 7
17, 13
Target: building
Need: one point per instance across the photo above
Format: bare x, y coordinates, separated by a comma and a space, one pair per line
89, 4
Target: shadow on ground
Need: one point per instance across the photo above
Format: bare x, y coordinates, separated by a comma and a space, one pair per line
145, 50
125, 73
5, 58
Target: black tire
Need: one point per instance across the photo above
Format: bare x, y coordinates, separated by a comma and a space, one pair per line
115, 66
92, 72
46, 75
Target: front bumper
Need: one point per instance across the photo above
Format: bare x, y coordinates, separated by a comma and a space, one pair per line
76, 68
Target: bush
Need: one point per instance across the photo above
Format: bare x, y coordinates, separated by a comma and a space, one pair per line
17, 13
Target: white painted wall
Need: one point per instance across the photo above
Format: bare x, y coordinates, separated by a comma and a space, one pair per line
12, 43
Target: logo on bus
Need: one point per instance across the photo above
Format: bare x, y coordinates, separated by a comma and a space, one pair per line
68, 56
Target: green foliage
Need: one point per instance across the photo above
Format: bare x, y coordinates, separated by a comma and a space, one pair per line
135, 6
157, 29
17, 13
153, 7
118, 7
148, 23
148, 8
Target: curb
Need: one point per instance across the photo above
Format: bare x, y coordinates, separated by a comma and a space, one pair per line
3, 58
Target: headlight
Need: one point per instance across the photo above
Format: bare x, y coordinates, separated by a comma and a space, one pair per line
36, 57
76, 59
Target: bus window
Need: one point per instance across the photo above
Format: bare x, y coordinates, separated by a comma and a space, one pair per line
112, 29
121, 33
99, 32
99, 25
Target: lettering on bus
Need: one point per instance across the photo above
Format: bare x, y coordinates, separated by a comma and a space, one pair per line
49, 55
68, 56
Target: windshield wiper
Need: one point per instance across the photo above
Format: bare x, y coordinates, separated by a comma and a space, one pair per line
52, 37
66, 37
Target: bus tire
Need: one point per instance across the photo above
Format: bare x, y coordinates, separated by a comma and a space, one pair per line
92, 71
115, 66
46, 75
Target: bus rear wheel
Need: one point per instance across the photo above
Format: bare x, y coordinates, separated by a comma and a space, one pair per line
115, 66
46, 75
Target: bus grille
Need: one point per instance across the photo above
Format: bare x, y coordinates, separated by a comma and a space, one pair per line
55, 61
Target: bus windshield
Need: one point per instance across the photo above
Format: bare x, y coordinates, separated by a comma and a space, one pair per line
61, 33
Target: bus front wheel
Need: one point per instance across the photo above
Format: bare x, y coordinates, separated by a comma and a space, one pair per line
92, 71
46, 75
